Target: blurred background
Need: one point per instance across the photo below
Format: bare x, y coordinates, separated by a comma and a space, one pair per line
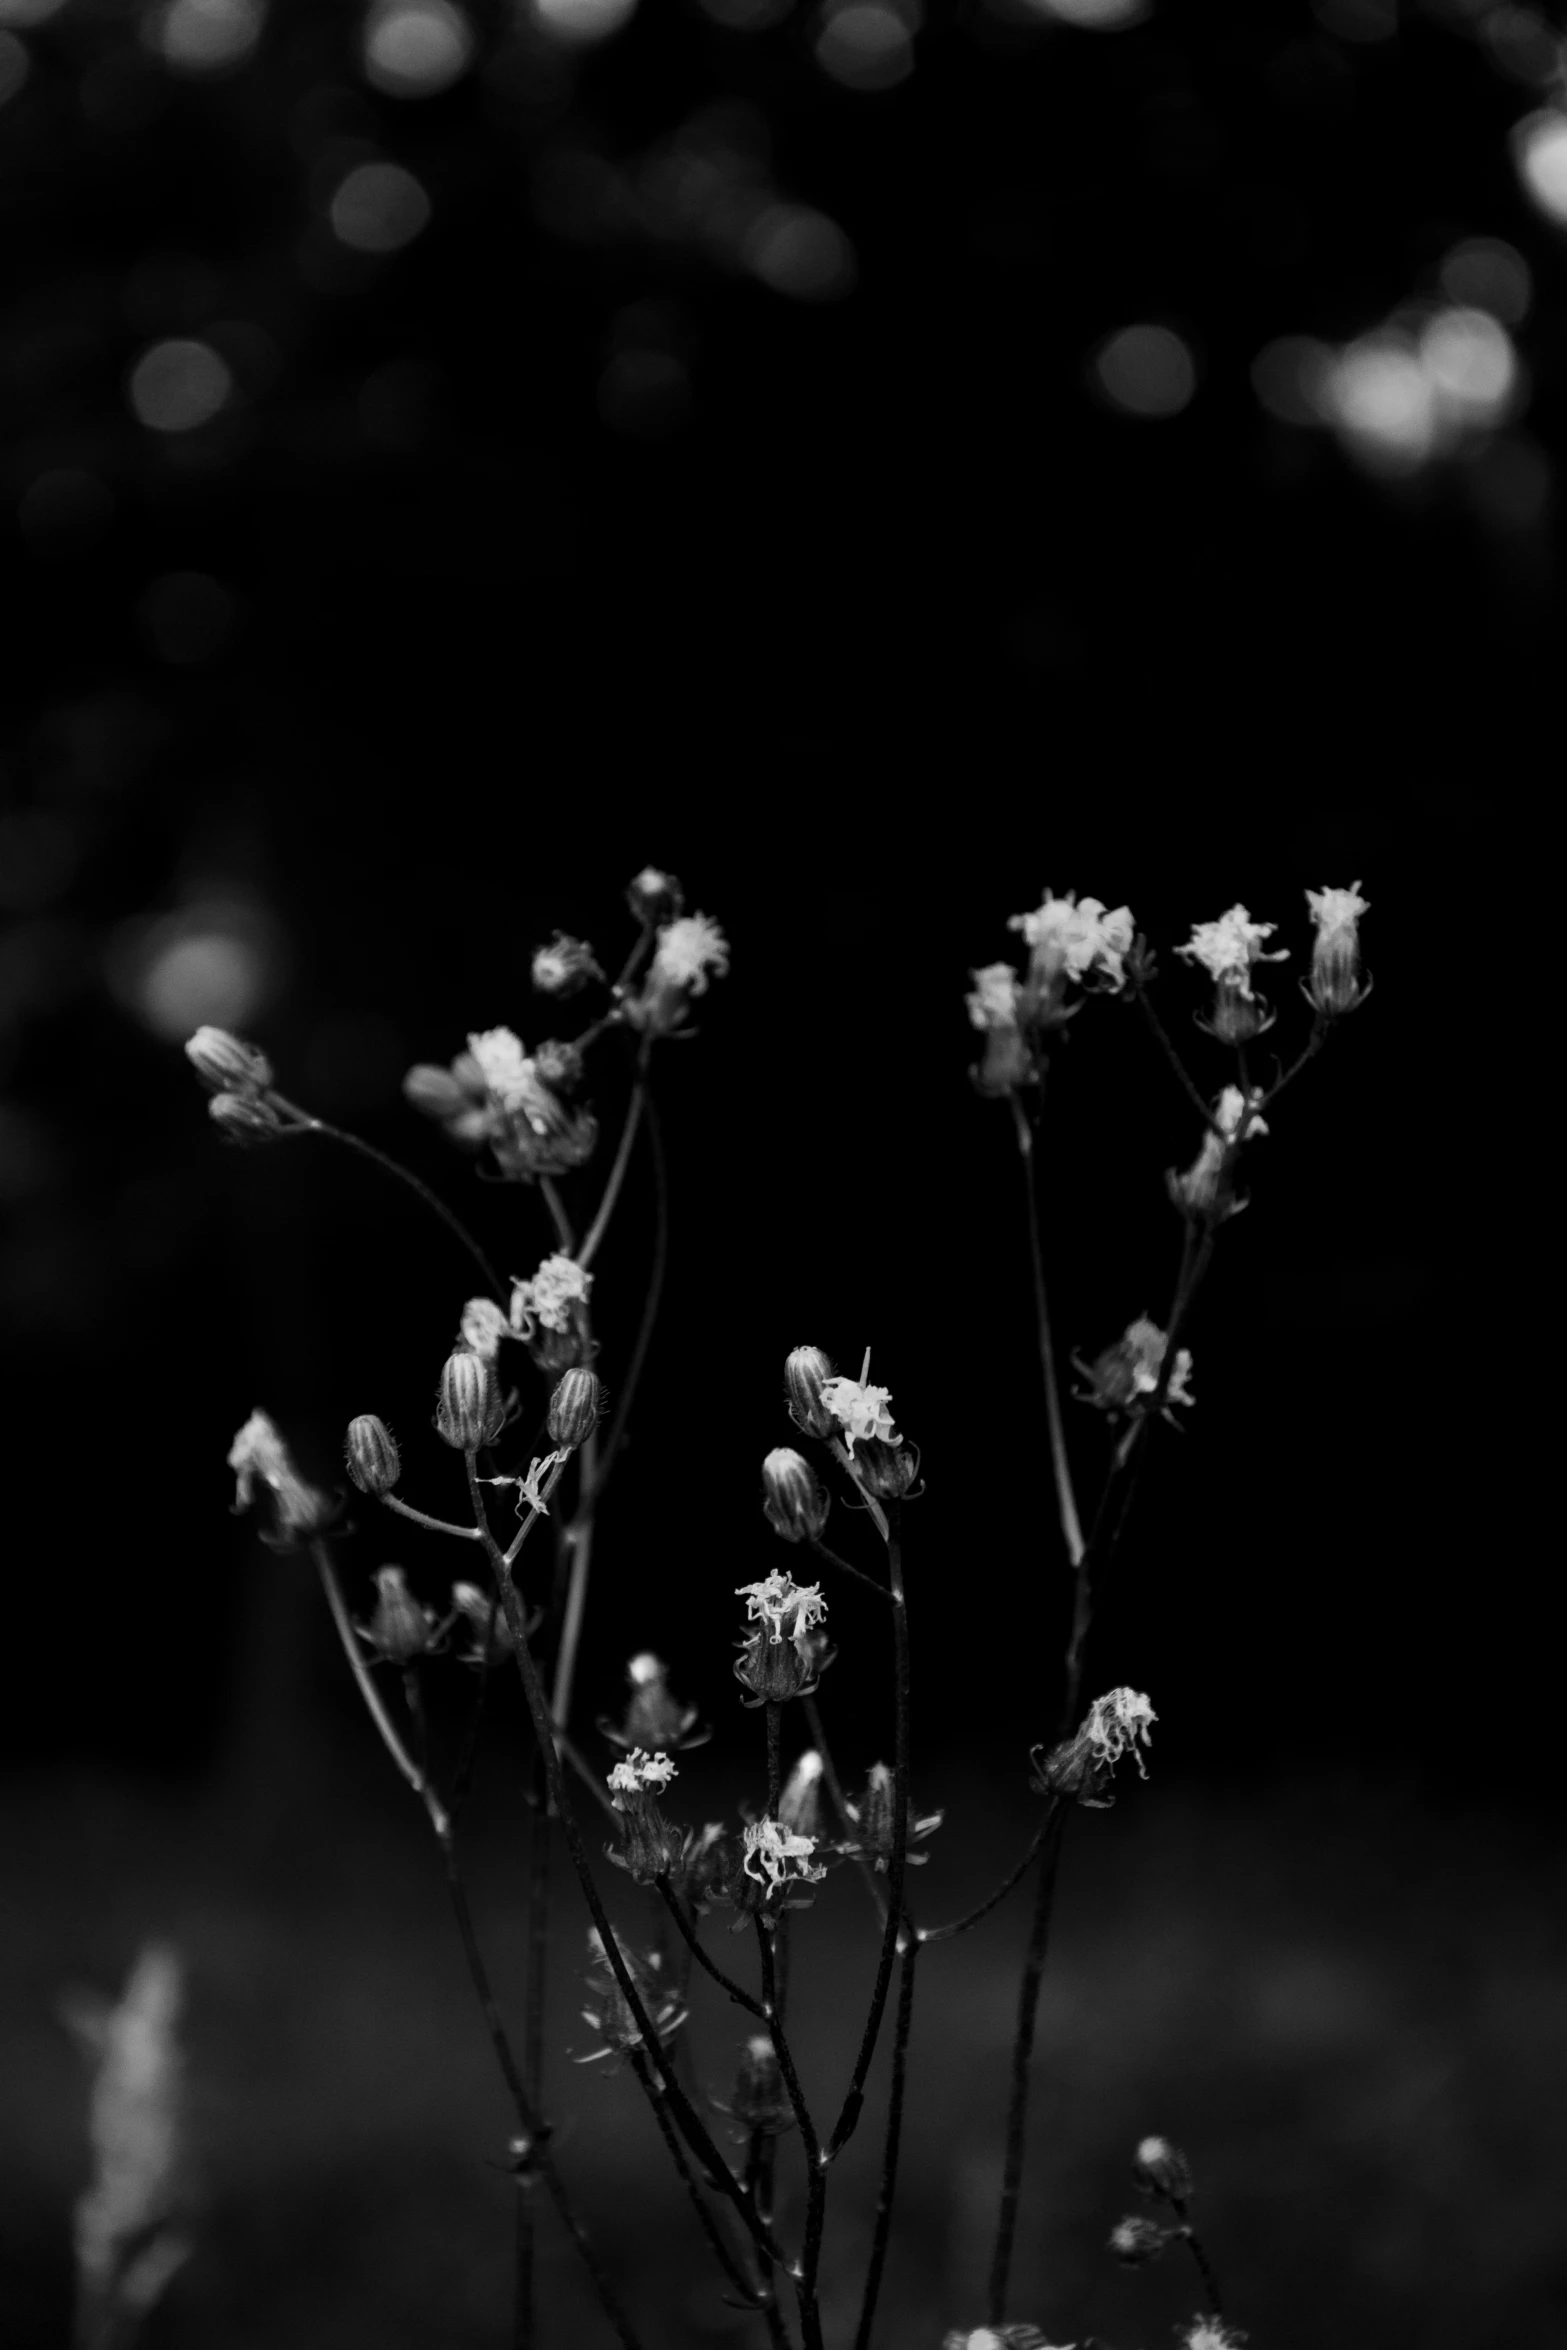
875, 463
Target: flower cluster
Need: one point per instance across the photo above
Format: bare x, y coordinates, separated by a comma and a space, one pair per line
262, 1460
497, 1093
1083, 1766
1070, 942
863, 1413
238, 1076
1075, 940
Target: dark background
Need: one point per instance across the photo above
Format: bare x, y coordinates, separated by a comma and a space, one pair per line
555, 543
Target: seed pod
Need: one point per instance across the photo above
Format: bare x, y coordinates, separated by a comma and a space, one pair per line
371, 1454
469, 1411
575, 1408
226, 1063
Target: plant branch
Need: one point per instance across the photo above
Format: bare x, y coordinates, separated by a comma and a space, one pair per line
1022, 2051
815, 2167
885, 2193
737, 1993
1066, 1499
306, 1123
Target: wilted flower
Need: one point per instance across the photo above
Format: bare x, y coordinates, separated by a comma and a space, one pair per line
1127, 1373
1207, 1190
1162, 2169
655, 896
1335, 956
402, 1626
1210, 2333
688, 950
130, 2237
872, 1820
783, 1660
860, 1411
652, 1846
1227, 950
483, 1327
775, 1859
549, 1298
1137, 2240
787, 1608
1082, 1766
654, 1719
564, 966
996, 1008
1068, 940
496, 1093
261, 1458
609, 2011
759, 2099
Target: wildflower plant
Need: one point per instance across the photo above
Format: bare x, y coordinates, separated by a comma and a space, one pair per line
536, 1423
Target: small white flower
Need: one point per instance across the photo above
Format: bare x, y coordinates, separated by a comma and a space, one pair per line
783, 1605
861, 1411
687, 950
779, 1858
1231, 1107
483, 1327
1063, 935
1115, 1725
258, 1455
564, 965
1146, 1346
651, 883
1209, 2333
502, 1062
645, 1668
548, 1298
641, 1771
1336, 910
1228, 948
993, 1000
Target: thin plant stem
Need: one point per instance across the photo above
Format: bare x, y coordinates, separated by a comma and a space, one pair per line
736, 1991
1312, 1046
306, 1123
1183, 1074
579, 1535
1061, 1467
594, 1236
902, 2022
867, 1874
535, 1981
853, 2102
950, 1932
534, 2129
558, 1216
774, 1757
433, 1525
844, 1567
677, 2155
815, 2167
1022, 2051
692, 2128
651, 1300
1194, 2246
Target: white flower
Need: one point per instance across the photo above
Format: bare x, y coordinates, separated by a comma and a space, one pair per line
564, 965
640, 1771
483, 1327
1228, 948
557, 1286
687, 950
800, 1804
993, 1000
1335, 955
259, 1456
1146, 1346
1231, 1107
1065, 936
1336, 910
1116, 1722
646, 1667
780, 1858
783, 1605
861, 1411
502, 1062
1209, 2333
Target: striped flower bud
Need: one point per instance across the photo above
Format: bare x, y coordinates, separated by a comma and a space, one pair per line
794, 1500
371, 1454
806, 1373
226, 1064
468, 1409
244, 1117
575, 1408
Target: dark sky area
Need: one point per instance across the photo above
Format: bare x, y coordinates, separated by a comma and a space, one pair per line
876, 467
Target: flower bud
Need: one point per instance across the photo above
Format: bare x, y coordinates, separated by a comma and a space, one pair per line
226, 1063
760, 2101
371, 1454
401, 1628
245, 1117
794, 1500
1162, 2169
559, 1065
1136, 2240
806, 1373
564, 966
654, 896
469, 1411
436, 1091
575, 1408
889, 1472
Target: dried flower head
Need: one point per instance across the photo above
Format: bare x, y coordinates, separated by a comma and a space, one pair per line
261, 1459
1082, 1766
1210, 2333
1071, 940
788, 1609
1228, 948
497, 1093
1126, 1375
1335, 956
402, 1627
784, 1658
775, 1859
872, 1820
1206, 1192
860, 1411
564, 966
652, 1847
483, 1327
688, 950
549, 1299
609, 2011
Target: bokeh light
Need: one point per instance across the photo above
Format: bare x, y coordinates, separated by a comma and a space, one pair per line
800, 252
1145, 371
1471, 362
416, 48
379, 208
867, 45
1384, 403
205, 36
178, 385
583, 20
15, 65
1485, 273
1540, 153
1093, 16
219, 961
